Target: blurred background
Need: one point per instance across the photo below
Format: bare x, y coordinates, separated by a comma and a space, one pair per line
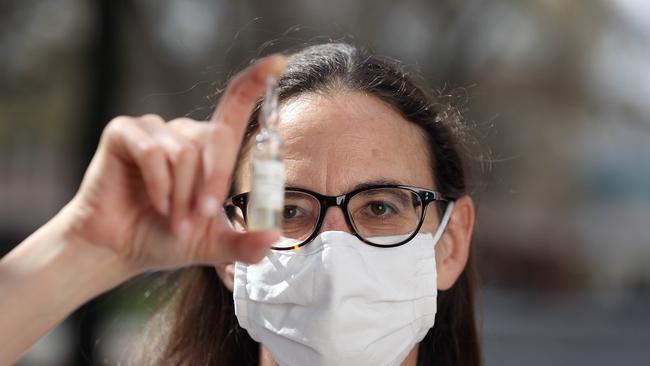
557, 92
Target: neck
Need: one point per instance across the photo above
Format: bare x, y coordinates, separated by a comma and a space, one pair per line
267, 360
265, 357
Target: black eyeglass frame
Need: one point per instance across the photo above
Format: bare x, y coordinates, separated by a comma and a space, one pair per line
426, 196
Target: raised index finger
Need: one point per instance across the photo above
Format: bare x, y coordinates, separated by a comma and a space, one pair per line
243, 90
228, 125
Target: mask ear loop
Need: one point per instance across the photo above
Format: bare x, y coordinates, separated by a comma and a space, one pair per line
444, 222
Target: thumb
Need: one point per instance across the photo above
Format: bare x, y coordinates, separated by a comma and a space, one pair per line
249, 247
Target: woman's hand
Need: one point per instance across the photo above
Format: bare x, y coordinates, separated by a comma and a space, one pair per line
154, 190
151, 199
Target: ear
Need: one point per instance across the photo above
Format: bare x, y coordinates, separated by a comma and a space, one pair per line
452, 251
226, 272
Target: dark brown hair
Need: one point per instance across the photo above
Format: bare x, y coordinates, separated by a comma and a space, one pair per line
204, 329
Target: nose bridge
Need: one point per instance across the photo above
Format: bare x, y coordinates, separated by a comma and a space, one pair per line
334, 220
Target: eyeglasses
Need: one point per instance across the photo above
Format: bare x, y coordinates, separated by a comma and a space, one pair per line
380, 215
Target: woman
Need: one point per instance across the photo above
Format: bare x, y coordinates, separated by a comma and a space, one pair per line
358, 291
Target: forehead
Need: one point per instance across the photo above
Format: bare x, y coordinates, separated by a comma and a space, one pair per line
337, 141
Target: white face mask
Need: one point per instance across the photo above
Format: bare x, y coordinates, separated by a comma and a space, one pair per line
339, 301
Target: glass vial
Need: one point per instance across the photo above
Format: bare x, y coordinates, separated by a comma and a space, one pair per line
265, 209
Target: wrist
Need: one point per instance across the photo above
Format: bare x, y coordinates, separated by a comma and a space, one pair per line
55, 262
100, 267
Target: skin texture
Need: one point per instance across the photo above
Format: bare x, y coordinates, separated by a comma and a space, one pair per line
329, 149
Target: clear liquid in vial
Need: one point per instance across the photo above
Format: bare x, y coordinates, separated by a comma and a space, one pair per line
267, 188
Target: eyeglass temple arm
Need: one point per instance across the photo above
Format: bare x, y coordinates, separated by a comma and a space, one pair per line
445, 220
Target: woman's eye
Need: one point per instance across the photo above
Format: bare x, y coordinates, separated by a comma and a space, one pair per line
290, 212
381, 208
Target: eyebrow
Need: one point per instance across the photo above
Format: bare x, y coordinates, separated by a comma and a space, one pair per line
376, 182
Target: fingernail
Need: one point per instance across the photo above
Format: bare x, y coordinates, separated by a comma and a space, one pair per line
279, 63
209, 206
185, 228
274, 236
164, 206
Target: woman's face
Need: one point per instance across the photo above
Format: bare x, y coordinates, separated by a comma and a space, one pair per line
336, 142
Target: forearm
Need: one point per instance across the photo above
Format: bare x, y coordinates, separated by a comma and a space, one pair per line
46, 278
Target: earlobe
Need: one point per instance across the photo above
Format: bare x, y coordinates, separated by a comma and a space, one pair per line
452, 252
